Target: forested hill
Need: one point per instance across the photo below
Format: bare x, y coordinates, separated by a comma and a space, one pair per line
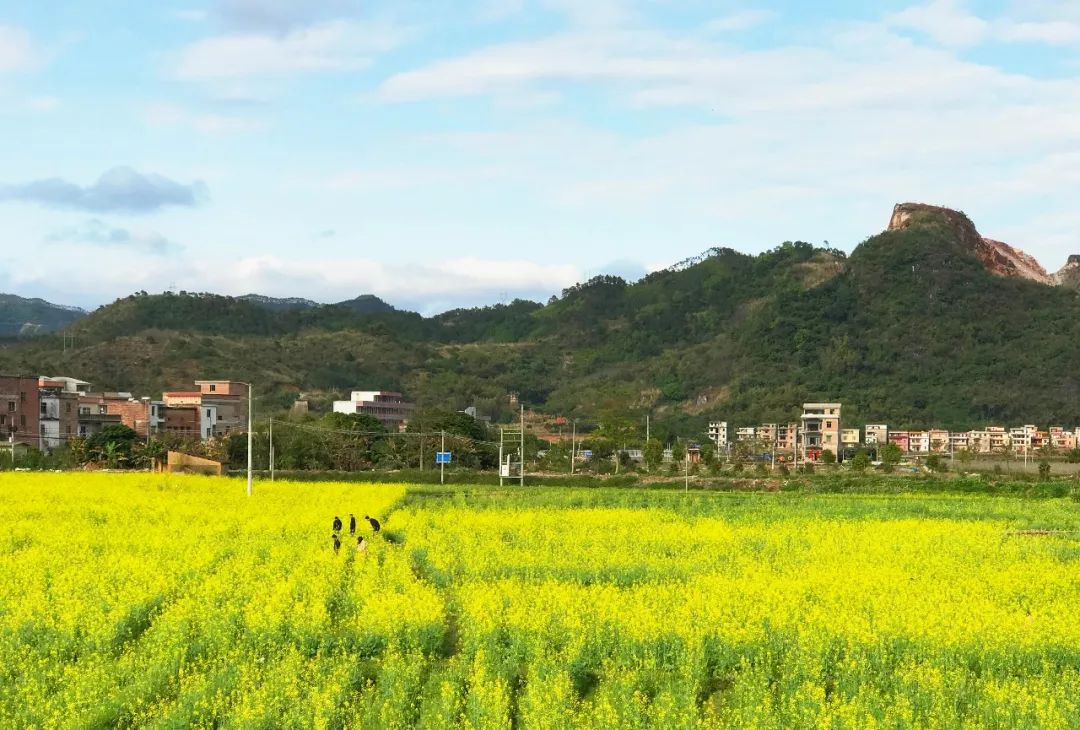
911, 329
20, 316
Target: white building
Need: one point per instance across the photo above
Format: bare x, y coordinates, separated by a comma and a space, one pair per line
389, 407
208, 420
718, 434
746, 433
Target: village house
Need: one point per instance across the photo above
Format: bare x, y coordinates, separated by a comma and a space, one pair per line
718, 434
876, 434
820, 429
787, 435
919, 442
19, 410
939, 441
389, 407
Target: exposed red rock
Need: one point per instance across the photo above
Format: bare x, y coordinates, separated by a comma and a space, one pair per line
998, 257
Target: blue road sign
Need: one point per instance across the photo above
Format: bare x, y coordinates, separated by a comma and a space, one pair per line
442, 457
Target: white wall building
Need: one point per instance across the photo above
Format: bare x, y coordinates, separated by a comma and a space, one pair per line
208, 420
718, 433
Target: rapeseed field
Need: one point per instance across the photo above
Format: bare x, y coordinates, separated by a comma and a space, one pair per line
165, 601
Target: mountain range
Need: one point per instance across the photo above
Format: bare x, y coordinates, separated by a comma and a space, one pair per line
927, 323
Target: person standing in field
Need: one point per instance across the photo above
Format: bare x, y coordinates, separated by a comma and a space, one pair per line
337, 543
361, 545
352, 524
375, 526
337, 524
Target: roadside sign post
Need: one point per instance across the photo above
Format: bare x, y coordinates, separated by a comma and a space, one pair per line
442, 458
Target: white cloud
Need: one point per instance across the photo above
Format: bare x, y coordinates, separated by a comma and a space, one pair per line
427, 287
495, 10
98, 234
167, 115
1052, 32
946, 21
742, 20
16, 49
190, 15
43, 103
339, 45
281, 16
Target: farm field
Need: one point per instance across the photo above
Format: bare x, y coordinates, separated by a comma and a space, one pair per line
165, 601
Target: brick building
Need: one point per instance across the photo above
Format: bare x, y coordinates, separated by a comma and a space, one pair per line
19, 410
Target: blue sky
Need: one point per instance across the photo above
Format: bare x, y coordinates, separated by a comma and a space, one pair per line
441, 154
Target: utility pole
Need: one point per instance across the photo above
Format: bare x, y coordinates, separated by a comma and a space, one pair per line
250, 442
646, 428
421, 444
502, 440
271, 449
523, 444
686, 463
442, 464
573, 448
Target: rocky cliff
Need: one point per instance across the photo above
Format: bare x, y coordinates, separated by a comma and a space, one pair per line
1069, 275
998, 257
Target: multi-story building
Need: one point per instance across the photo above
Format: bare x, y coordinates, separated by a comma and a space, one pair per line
960, 441
979, 441
939, 441
851, 437
787, 436
228, 402
745, 433
919, 442
58, 412
718, 434
820, 429
876, 434
19, 410
765, 435
390, 407
220, 408
1062, 440
1020, 439
182, 421
901, 439
94, 416
998, 439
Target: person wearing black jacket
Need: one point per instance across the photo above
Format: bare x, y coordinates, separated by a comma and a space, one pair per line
375, 526
337, 524
352, 524
337, 543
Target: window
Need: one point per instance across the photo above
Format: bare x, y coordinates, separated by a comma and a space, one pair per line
67, 408
208, 413
44, 408
3, 420
213, 388
11, 406
22, 420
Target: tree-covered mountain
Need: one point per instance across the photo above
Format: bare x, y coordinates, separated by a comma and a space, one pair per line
910, 329
20, 316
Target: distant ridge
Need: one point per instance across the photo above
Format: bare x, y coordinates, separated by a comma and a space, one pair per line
23, 316
279, 303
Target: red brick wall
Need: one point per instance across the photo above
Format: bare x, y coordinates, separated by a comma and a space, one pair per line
181, 421
23, 418
133, 414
